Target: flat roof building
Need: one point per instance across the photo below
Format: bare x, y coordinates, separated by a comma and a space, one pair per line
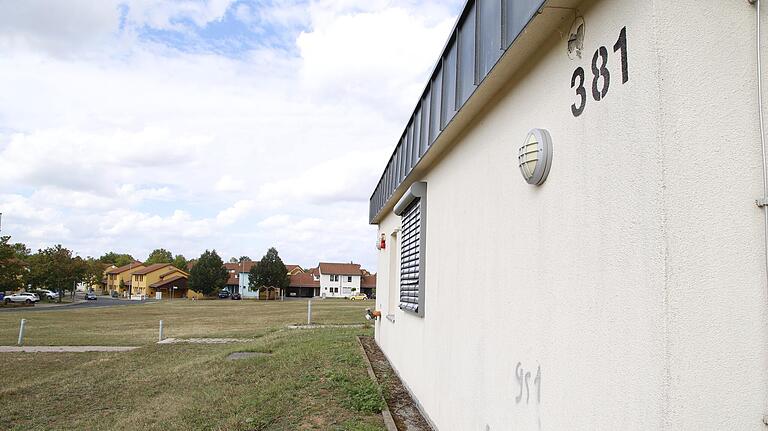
570, 234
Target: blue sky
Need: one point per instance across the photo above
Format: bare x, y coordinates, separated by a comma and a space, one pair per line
189, 125
240, 30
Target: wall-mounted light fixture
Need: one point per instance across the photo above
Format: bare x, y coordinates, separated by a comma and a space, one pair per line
535, 156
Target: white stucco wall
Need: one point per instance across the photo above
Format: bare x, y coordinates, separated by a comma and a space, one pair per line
633, 277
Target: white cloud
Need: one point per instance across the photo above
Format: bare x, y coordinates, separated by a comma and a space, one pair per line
236, 212
346, 178
180, 223
377, 57
57, 27
228, 183
130, 193
111, 142
19, 208
46, 231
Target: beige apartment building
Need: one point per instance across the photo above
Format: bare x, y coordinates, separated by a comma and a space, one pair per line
160, 277
118, 279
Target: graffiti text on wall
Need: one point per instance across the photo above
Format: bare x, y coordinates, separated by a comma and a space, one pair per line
524, 381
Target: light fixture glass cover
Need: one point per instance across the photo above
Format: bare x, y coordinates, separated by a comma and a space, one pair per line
535, 156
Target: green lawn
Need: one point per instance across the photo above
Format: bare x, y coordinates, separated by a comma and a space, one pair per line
313, 379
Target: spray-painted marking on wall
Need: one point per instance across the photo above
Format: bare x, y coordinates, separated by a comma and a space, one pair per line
524, 381
601, 76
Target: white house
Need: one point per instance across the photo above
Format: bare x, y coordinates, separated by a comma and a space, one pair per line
571, 235
338, 280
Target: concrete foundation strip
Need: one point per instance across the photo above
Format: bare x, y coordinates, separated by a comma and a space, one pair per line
389, 421
65, 349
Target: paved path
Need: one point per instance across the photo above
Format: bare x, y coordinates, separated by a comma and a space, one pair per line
66, 349
103, 301
313, 326
204, 340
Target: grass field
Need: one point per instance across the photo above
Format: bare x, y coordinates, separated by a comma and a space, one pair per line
311, 380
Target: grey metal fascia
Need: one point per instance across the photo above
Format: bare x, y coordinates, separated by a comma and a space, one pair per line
376, 208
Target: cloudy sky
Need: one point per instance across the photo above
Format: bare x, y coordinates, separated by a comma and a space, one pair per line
229, 124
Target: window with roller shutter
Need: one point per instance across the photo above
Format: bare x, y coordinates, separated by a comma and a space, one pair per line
412, 209
409, 257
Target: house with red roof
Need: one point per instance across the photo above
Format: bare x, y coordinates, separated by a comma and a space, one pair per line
302, 285
339, 280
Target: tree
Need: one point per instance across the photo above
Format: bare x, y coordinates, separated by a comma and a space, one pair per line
233, 260
54, 268
270, 272
117, 259
244, 259
12, 264
94, 272
159, 255
79, 271
208, 275
180, 262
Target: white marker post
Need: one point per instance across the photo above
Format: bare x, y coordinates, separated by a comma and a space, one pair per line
309, 312
21, 331
160, 338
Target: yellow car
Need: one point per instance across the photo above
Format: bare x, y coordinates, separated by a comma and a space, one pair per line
361, 297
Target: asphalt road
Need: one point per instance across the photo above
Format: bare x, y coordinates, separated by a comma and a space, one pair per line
103, 301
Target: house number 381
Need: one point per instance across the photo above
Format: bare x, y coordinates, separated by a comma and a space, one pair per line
601, 76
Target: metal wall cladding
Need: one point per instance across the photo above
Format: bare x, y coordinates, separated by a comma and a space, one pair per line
424, 135
416, 137
489, 41
410, 257
465, 61
449, 84
485, 30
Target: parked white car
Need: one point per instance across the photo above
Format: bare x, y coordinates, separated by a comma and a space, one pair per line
22, 297
49, 294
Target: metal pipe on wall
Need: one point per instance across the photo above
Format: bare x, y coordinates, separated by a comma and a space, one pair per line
763, 201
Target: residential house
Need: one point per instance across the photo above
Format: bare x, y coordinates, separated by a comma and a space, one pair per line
368, 284
118, 279
162, 278
294, 269
571, 238
233, 275
241, 279
303, 285
338, 280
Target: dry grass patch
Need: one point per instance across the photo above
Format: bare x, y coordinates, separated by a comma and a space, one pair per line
313, 379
